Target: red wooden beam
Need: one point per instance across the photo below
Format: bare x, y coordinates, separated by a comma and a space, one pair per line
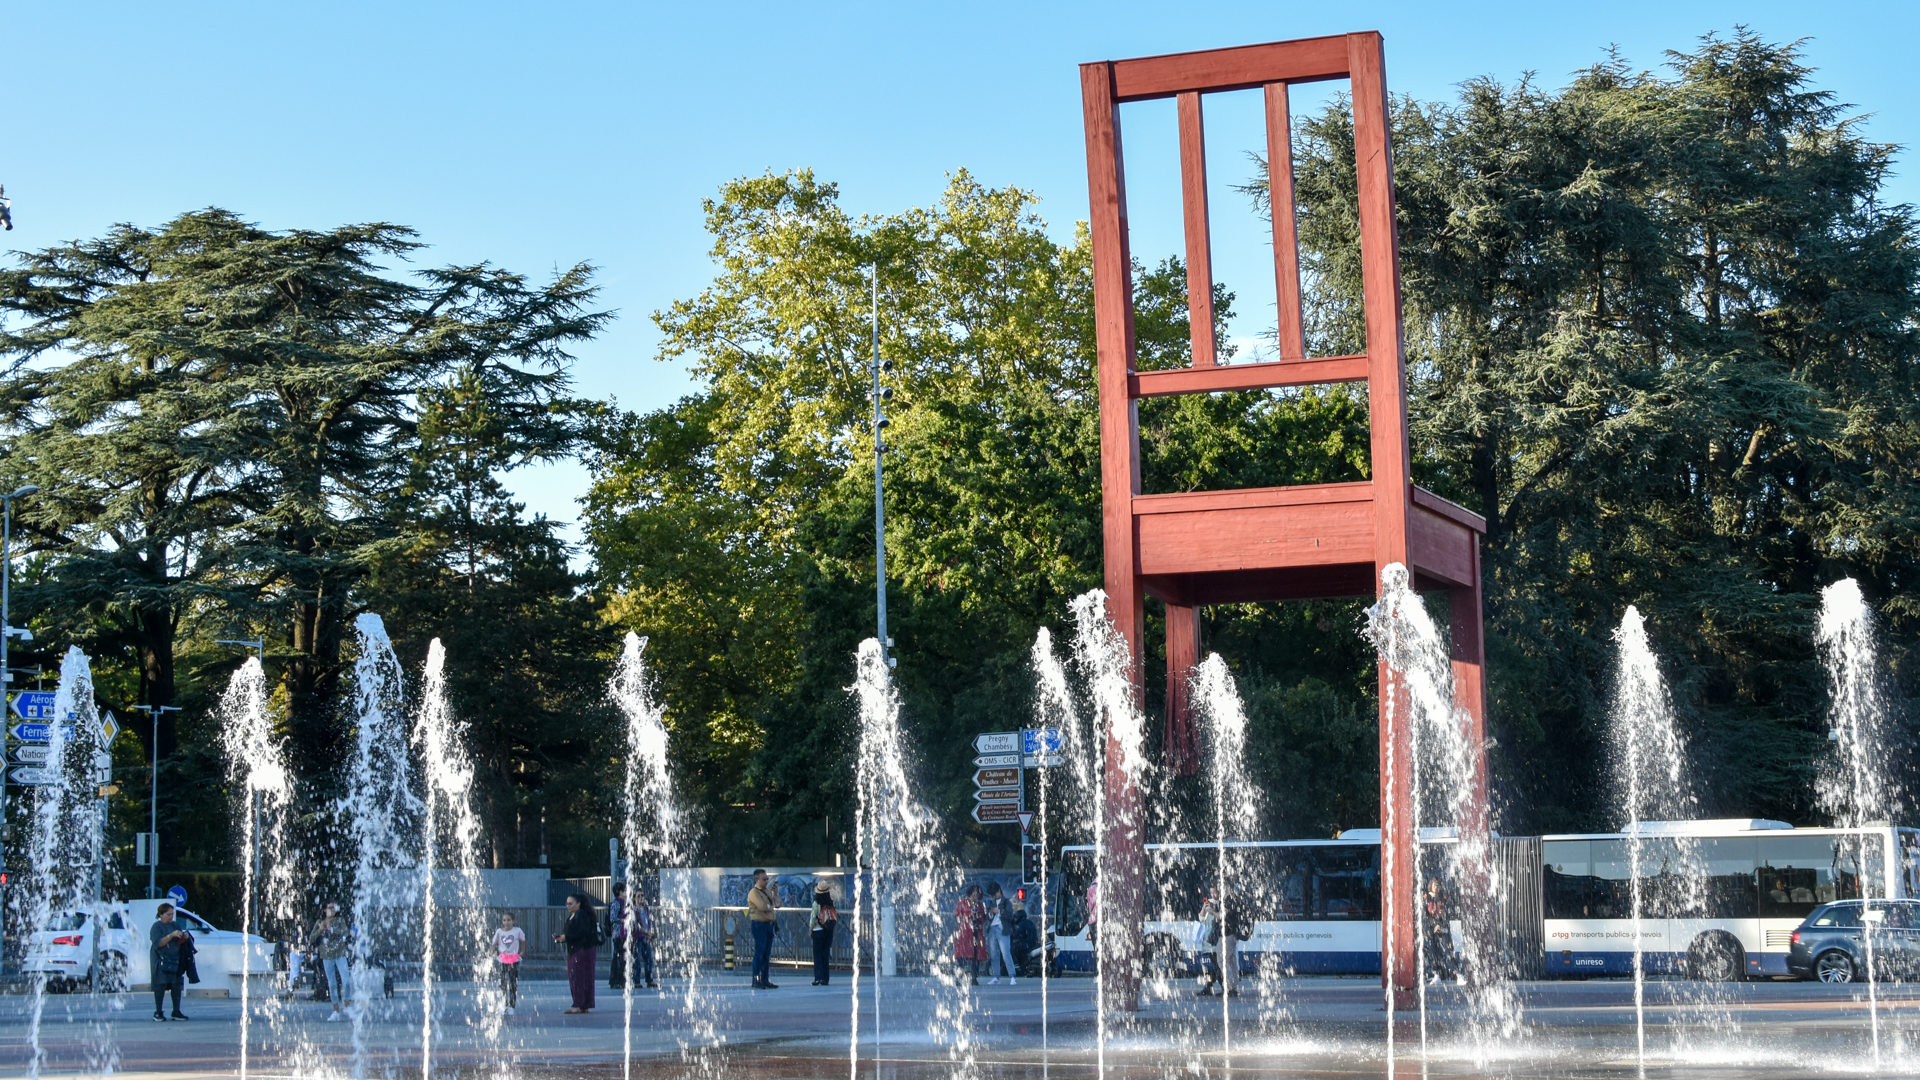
1286, 242
1240, 68
1331, 369
1193, 203
1122, 892
1452, 511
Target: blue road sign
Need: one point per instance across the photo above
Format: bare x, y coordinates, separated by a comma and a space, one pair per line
177, 896
1032, 739
32, 705
39, 732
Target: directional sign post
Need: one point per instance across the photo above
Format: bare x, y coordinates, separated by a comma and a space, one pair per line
30, 753
1042, 740
32, 705
1043, 761
996, 813
34, 775
997, 742
999, 778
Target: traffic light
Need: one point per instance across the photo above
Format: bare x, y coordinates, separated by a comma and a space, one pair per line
1032, 864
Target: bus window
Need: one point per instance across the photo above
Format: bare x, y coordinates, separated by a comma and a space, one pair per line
1346, 882
1612, 886
1909, 863
1728, 885
1177, 880
1797, 874
1569, 878
1292, 871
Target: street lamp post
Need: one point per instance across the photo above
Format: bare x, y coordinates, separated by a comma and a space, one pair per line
153, 801
6, 674
259, 646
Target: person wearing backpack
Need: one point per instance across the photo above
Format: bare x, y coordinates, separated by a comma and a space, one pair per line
822, 924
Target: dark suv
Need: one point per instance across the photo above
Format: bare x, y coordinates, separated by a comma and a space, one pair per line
1834, 943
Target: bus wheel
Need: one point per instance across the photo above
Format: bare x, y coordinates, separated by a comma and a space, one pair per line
1716, 957
1833, 966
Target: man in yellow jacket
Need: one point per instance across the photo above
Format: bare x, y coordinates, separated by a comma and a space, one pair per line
760, 915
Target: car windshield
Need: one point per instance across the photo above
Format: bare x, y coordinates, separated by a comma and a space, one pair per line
1839, 915
72, 920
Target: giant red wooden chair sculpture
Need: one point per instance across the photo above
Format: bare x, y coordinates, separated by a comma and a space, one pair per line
1190, 549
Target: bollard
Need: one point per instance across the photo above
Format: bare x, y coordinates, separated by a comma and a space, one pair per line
726, 953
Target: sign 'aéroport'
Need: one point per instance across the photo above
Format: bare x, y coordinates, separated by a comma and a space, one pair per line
996, 813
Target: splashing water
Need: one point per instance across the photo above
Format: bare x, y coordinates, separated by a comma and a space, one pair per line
450, 837
1053, 708
653, 834
67, 831
1652, 781
897, 843
256, 767
1444, 763
1855, 785
1113, 741
381, 812
1236, 815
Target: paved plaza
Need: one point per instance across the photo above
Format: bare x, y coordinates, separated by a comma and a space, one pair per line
1314, 1027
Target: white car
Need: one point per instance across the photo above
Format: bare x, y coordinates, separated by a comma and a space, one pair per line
68, 956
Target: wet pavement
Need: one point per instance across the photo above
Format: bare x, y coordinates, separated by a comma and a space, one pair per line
1308, 1027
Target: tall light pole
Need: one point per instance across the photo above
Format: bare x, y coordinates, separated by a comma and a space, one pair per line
153, 801
6, 674
259, 647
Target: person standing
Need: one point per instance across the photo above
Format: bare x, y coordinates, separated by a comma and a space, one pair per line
167, 961
617, 937
1438, 937
760, 916
643, 939
999, 942
1093, 920
1222, 966
508, 943
969, 942
582, 938
332, 942
822, 924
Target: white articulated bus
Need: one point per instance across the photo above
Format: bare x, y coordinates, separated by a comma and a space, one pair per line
1315, 904
1566, 899
1756, 880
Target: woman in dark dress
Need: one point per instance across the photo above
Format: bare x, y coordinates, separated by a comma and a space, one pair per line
582, 937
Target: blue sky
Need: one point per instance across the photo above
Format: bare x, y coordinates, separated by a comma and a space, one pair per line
538, 135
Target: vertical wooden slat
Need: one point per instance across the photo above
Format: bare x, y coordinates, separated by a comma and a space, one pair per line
1193, 201
1286, 241
1179, 747
1386, 401
1122, 887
